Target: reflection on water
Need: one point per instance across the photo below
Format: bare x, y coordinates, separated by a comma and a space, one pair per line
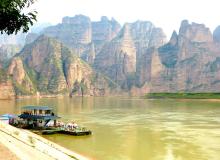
137, 129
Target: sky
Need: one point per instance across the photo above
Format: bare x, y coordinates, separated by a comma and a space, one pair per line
166, 14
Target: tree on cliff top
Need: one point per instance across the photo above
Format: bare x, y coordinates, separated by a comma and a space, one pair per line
13, 18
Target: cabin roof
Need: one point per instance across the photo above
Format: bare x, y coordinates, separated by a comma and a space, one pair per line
8, 116
37, 108
35, 117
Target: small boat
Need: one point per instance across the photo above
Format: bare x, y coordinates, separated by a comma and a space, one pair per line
43, 119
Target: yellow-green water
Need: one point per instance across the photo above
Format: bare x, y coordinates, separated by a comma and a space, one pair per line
136, 129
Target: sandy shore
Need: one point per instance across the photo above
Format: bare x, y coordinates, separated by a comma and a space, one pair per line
19, 150
6, 154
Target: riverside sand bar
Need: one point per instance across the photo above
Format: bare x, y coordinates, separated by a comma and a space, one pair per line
27, 145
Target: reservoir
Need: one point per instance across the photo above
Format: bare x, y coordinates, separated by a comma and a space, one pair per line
126, 128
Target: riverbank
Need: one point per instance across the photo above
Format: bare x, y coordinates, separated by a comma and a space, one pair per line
27, 145
182, 96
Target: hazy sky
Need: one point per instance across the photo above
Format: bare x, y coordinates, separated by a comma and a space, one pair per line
166, 14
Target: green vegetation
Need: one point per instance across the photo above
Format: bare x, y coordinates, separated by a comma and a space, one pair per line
215, 66
13, 18
3, 76
32, 76
183, 95
20, 89
168, 54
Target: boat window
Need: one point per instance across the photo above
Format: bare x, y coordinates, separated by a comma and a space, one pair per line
47, 112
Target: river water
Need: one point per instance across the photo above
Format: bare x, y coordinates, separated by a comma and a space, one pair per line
136, 129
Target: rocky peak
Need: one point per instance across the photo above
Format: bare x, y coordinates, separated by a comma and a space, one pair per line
158, 38
141, 29
145, 34
174, 38
104, 19
195, 32
125, 33
76, 20
104, 30
216, 34
73, 31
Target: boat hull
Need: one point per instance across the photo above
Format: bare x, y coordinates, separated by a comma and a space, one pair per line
74, 133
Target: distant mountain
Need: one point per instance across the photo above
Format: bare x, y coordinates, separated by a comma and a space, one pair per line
85, 37
12, 44
189, 62
7, 51
79, 56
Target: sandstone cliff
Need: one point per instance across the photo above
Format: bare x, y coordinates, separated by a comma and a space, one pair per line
85, 37
120, 58
189, 62
6, 86
47, 67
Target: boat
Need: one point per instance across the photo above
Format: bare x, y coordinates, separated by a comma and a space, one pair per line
76, 132
43, 119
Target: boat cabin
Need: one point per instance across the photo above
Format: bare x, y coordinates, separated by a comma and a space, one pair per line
38, 116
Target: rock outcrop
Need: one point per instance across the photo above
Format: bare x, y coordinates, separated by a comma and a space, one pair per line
72, 31
120, 58
6, 86
117, 59
104, 31
47, 67
189, 62
216, 34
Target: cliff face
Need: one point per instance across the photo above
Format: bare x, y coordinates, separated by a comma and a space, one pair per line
46, 66
120, 59
216, 34
85, 37
189, 62
6, 86
100, 58
104, 31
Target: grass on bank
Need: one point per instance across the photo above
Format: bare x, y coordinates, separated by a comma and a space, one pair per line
183, 95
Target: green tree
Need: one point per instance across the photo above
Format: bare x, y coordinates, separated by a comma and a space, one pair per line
13, 18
